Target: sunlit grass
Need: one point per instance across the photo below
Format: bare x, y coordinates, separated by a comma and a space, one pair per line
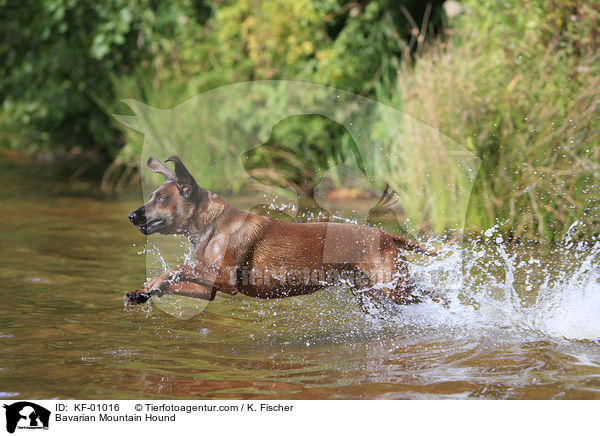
523, 94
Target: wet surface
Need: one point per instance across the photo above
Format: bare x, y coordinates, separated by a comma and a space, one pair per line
515, 328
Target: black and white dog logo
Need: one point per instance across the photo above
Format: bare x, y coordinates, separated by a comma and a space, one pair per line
26, 415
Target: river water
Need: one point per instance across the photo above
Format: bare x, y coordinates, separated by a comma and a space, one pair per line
522, 321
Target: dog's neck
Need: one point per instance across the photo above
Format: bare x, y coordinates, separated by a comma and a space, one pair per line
216, 215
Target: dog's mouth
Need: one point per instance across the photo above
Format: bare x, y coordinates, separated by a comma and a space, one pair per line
152, 226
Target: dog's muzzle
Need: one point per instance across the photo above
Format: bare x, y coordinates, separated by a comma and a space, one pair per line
137, 217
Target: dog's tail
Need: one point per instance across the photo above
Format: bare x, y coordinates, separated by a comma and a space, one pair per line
407, 244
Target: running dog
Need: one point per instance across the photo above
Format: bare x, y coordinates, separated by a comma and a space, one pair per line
263, 257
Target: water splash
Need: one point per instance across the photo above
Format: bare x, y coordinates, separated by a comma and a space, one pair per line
553, 292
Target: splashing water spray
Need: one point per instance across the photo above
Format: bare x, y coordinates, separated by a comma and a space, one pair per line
551, 291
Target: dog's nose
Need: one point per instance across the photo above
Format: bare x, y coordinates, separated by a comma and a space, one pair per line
138, 216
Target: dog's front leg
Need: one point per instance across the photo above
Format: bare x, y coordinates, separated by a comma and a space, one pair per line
184, 288
197, 280
140, 296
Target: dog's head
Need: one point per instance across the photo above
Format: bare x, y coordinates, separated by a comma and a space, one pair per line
171, 205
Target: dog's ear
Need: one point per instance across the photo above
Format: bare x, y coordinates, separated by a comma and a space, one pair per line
160, 168
185, 182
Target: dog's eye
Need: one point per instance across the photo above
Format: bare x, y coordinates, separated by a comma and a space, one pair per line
161, 198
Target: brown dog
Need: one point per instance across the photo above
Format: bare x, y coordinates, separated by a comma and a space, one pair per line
263, 257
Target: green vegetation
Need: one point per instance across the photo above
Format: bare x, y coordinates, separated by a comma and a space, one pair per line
56, 62
517, 83
64, 64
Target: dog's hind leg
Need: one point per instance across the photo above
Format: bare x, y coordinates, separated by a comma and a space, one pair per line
369, 300
405, 291
390, 278
375, 290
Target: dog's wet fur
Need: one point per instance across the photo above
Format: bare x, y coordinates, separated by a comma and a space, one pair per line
263, 257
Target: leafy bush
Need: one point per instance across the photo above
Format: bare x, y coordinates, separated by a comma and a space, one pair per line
57, 58
64, 64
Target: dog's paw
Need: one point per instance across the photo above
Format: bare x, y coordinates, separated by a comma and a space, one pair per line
138, 296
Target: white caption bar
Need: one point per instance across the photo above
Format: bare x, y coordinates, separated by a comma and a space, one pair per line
242, 417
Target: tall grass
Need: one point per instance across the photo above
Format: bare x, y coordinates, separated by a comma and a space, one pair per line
519, 84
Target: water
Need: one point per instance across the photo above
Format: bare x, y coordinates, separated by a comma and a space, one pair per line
522, 321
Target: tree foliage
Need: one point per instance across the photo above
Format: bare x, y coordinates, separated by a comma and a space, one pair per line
57, 58
65, 63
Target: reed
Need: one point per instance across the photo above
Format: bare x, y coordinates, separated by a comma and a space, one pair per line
520, 89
